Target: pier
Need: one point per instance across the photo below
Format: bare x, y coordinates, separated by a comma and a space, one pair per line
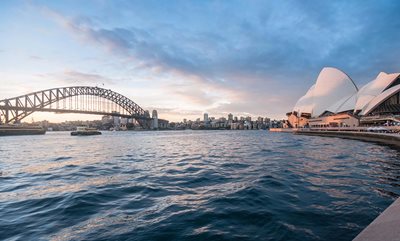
385, 227
385, 138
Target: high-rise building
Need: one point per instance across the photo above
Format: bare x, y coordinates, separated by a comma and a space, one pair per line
116, 120
206, 118
230, 117
124, 121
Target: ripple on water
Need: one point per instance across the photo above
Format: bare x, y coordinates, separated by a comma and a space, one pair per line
228, 185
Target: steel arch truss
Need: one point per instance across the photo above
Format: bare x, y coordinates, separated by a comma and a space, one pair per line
13, 110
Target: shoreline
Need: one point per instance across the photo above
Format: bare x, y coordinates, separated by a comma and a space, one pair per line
391, 139
384, 227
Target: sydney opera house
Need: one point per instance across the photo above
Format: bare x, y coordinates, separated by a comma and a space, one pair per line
336, 101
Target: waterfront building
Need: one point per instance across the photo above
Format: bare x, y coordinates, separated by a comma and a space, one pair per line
247, 125
335, 101
106, 119
116, 120
162, 124
338, 120
237, 126
230, 117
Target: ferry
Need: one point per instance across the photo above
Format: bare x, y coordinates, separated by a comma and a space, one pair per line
85, 131
13, 130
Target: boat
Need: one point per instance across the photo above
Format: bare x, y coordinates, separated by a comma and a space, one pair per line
85, 131
14, 130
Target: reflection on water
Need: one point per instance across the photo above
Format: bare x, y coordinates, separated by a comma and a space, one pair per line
192, 185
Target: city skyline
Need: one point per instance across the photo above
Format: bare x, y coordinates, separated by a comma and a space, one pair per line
187, 58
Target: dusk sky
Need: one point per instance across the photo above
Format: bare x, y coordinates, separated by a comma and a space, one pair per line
185, 58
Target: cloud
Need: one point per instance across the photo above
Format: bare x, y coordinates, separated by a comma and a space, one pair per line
235, 57
36, 58
76, 77
146, 50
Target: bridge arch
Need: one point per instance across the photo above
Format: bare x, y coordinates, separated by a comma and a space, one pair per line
15, 109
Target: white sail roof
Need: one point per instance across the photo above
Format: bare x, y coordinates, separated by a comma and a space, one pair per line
345, 104
306, 103
332, 86
374, 88
379, 99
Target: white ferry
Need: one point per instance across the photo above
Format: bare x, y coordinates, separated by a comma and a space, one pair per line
85, 131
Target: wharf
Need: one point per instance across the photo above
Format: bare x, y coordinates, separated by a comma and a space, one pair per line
12, 130
287, 130
385, 227
385, 138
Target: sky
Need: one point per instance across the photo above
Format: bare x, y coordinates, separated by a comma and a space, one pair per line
185, 58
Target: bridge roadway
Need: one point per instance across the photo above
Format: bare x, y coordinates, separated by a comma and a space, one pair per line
66, 111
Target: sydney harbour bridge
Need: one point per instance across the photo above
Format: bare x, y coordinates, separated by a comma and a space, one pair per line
75, 99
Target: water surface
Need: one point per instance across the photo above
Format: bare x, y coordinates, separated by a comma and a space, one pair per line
192, 185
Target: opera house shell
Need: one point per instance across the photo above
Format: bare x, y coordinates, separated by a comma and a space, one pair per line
335, 92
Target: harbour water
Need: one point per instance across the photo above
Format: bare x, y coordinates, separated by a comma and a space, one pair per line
192, 185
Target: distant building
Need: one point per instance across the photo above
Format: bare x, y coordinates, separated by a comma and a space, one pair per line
116, 120
162, 124
206, 118
106, 119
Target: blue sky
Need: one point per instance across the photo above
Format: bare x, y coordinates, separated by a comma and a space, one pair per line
189, 57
